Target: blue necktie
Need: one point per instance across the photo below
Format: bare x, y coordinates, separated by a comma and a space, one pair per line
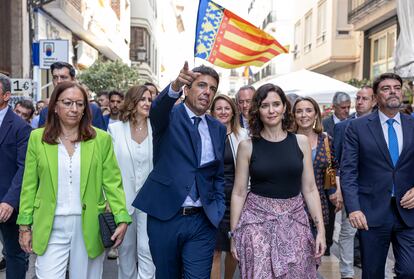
392, 145
194, 195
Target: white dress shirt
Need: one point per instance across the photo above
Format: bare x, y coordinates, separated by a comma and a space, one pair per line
3, 114
207, 151
68, 189
336, 120
397, 127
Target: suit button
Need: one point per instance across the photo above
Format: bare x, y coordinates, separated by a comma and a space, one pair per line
83, 206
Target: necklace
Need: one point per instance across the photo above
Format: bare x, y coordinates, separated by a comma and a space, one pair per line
140, 128
65, 137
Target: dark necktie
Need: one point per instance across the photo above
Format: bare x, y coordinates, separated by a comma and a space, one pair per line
194, 195
392, 145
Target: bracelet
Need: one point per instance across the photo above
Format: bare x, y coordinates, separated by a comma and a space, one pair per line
25, 230
230, 234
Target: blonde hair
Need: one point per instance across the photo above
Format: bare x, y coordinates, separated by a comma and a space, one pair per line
234, 121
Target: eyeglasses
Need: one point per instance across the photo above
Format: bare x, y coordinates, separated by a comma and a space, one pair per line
242, 102
69, 103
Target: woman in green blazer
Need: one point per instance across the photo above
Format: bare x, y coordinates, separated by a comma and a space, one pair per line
70, 173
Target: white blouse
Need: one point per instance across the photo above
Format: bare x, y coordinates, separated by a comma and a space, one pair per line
141, 160
68, 189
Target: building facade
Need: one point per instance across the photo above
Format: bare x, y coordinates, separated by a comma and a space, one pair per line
92, 28
274, 17
377, 21
324, 41
15, 43
144, 45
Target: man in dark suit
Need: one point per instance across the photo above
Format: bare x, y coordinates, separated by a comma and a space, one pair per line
364, 104
62, 71
14, 134
244, 101
377, 181
183, 195
341, 102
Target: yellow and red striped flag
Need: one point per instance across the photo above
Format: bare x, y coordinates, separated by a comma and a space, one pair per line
226, 40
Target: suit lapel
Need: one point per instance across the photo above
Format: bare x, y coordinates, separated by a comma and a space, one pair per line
407, 125
128, 139
214, 134
51, 151
6, 125
375, 128
87, 149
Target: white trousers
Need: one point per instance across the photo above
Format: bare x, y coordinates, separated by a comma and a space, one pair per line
66, 243
135, 248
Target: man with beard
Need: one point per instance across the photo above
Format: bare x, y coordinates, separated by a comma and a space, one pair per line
116, 99
377, 180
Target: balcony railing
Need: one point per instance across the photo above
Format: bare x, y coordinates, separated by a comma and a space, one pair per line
366, 7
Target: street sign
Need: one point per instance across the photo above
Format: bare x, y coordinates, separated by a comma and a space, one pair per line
51, 51
21, 86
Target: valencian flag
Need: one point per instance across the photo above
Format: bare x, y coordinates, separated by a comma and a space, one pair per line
226, 40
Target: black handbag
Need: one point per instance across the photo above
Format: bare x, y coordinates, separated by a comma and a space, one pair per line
107, 226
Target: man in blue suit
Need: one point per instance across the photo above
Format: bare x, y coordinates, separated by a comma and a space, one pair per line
183, 195
377, 180
348, 257
14, 134
62, 71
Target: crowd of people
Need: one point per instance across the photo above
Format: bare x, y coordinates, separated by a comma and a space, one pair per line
257, 180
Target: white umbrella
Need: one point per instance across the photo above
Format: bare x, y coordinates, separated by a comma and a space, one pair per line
308, 83
404, 51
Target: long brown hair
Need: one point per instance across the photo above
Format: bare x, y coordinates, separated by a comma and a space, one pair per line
234, 121
317, 128
128, 111
255, 123
52, 127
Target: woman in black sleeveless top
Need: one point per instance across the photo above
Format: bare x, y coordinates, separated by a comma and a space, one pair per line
272, 238
224, 109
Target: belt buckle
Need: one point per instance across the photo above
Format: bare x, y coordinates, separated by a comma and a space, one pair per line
185, 211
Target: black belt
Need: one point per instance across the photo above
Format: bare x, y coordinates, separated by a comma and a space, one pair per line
190, 210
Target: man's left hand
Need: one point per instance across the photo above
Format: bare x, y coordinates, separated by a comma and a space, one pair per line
6, 210
407, 200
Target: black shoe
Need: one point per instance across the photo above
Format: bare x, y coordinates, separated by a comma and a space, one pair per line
327, 252
3, 264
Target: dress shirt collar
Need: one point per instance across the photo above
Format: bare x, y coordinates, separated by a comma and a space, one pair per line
336, 119
383, 118
3, 114
191, 114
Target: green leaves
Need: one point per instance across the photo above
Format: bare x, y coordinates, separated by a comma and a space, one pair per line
109, 75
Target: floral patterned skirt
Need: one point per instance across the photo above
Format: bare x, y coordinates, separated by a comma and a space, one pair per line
273, 239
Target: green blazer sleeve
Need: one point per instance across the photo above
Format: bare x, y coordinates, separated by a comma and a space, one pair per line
112, 182
30, 181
